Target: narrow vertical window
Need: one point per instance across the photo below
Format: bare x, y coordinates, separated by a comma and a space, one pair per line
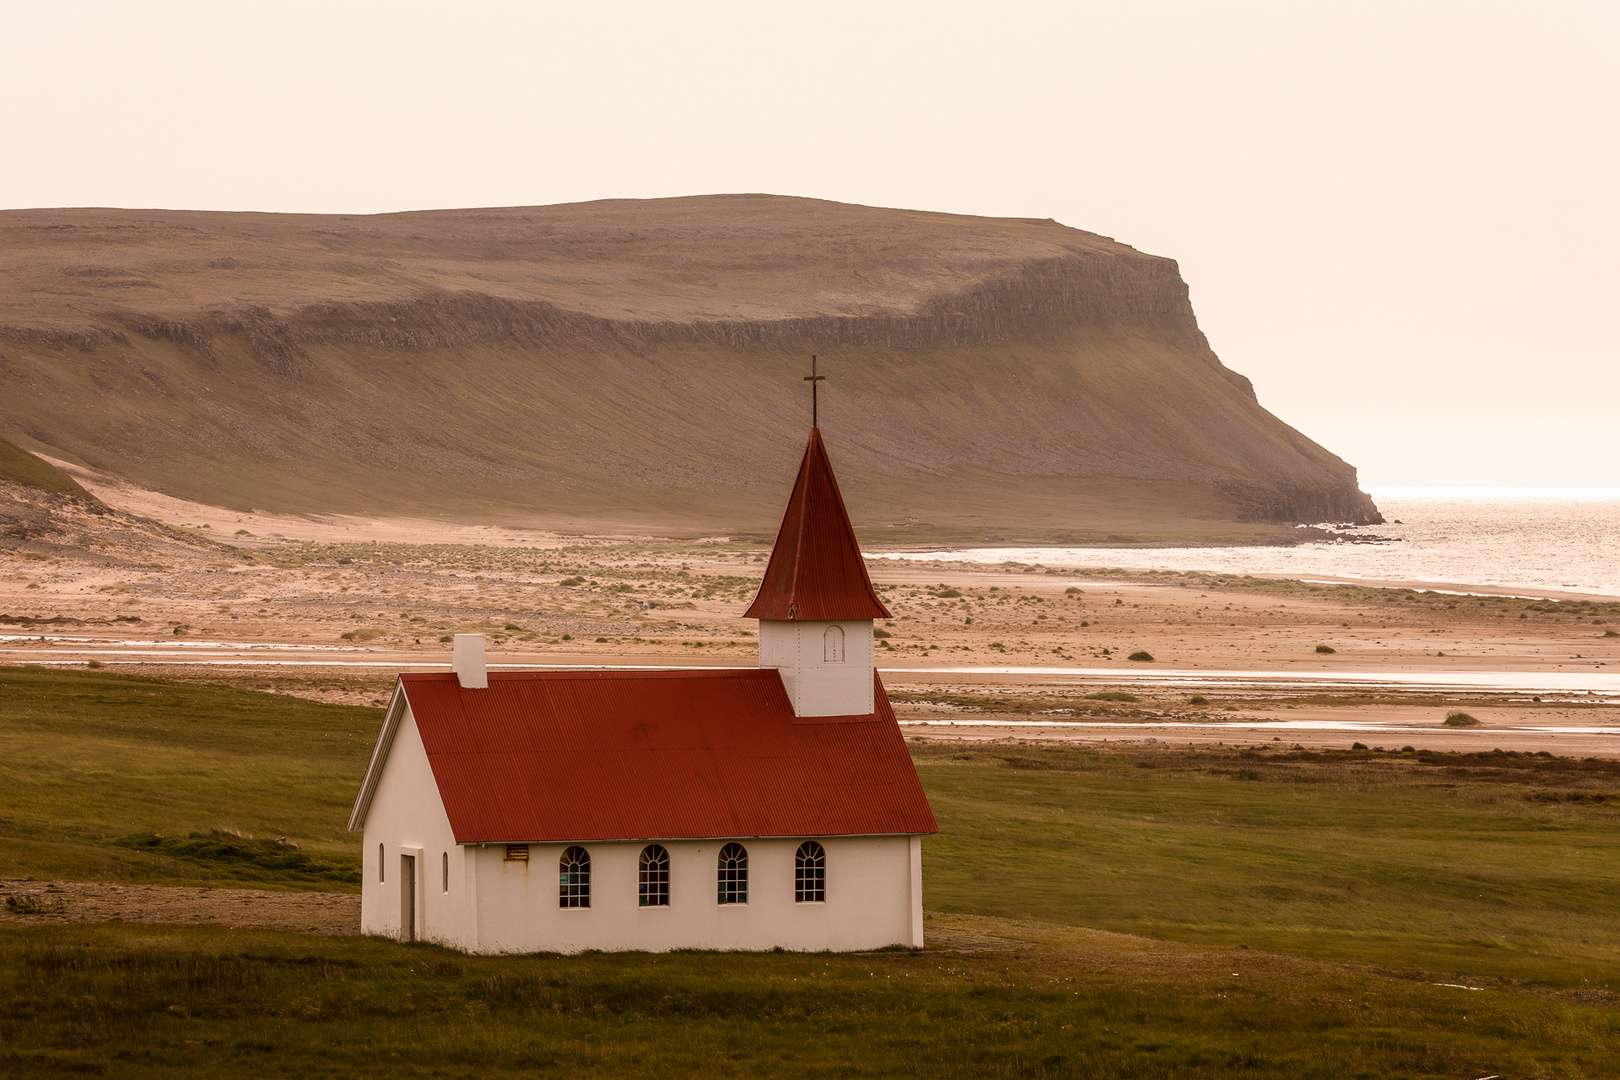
574, 879
447, 871
654, 876
382, 867
734, 874
833, 645
810, 873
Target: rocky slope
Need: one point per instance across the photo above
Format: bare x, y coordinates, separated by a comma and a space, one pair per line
638, 364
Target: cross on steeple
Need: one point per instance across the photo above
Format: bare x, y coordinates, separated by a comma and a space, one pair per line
813, 379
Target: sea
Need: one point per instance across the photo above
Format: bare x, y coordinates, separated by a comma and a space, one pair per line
1560, 540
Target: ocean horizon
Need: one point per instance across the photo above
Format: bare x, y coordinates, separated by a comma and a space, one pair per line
1540, 539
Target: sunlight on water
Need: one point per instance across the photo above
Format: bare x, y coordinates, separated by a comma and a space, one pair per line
1538, 538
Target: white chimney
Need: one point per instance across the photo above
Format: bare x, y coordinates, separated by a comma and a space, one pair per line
467, 661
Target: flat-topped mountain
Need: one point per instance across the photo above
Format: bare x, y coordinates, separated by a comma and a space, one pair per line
637, 364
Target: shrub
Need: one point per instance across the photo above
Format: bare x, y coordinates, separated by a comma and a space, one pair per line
1112, 695
948, 594
601, 641
1358, 746
568, 637
572, 581
1141, 654
513, 626
31, 905
276, 860
93, 664
1610, 633
1071, 591
445, 639
881, 634
1198, 699
1326, 649
1460, 719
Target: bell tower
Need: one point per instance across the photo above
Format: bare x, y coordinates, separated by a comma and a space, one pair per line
816, 605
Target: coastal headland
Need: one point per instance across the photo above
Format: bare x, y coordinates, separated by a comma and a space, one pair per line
635, 366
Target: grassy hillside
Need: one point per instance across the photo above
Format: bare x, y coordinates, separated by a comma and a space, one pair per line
18, 466
640, 363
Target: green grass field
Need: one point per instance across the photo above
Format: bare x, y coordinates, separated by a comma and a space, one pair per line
122, 1001
1499, 866
1103, 915
92, 764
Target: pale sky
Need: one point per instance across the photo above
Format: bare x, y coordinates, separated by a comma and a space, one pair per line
1398, 218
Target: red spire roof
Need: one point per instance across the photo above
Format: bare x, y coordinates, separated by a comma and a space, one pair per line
816, 572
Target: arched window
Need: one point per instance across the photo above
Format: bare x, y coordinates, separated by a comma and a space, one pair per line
810, 873
574, 878
446, 871
833, 645
382, 865
654, 876
734, 874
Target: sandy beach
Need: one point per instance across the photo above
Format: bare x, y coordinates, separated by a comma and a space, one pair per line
332, 608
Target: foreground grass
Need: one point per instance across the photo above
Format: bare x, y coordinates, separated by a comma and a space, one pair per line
121, 1001
92, 765
1324, 894
1490, 865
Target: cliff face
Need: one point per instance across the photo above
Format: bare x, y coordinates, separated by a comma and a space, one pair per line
640, 363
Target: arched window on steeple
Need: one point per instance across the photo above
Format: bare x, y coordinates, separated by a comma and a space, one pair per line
833, 645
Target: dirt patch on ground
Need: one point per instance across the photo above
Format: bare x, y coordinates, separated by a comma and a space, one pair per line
81, 901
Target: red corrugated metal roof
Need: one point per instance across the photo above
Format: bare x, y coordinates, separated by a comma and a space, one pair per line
816, 571
615, 755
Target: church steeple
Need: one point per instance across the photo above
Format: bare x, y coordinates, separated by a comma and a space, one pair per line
816, 571
816, 605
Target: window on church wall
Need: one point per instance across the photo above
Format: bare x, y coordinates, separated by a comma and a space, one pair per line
833, 645
574, 879
654, 875
810, 873
381, 864
733, 874
446, 871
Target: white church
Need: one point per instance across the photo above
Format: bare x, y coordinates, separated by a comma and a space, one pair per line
715, 809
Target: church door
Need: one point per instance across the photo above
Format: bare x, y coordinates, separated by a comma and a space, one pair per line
407, 897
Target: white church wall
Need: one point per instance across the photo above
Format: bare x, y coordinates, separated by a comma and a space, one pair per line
874, 898
826, 667
407, 818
